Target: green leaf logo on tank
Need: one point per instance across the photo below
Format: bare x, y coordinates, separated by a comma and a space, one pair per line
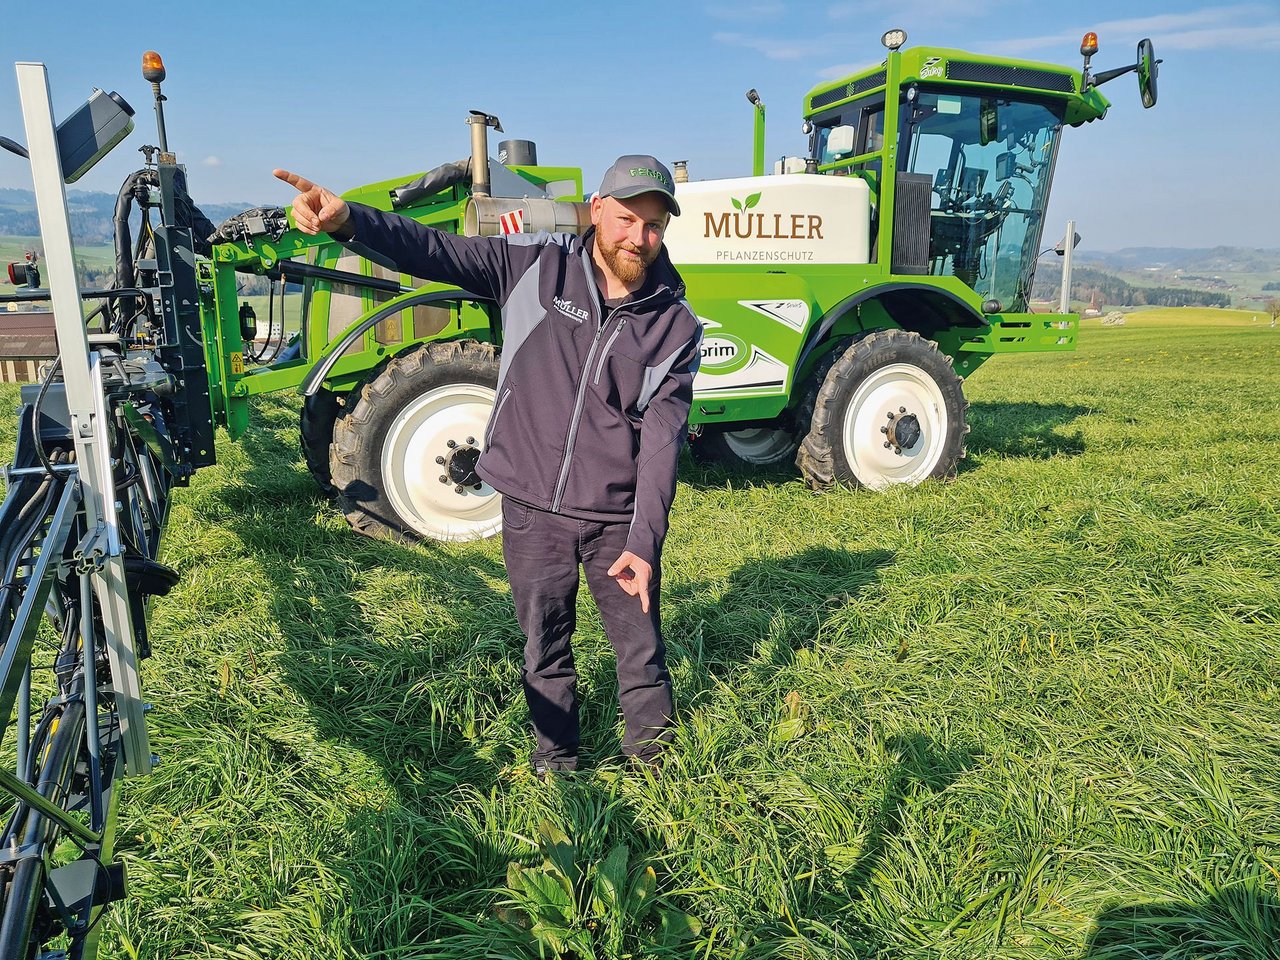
723, 352
746, 204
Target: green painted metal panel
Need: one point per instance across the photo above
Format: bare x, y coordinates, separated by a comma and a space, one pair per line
945, 66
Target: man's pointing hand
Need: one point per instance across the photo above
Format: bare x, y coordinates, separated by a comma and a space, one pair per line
634, 576
315, 209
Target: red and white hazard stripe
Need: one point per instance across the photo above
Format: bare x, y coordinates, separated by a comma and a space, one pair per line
512, 221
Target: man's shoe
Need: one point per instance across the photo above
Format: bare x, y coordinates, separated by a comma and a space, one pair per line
549, 769
652, 764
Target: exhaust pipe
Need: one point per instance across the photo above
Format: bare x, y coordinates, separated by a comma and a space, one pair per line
480, 123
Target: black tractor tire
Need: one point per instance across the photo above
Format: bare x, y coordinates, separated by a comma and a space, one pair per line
315, 432
747, 448
404, 446
891, 410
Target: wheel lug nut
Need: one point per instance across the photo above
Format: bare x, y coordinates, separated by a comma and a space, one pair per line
443, 478
458, 489
902, 409
440, 460
890, 414
884, 429
887, 444
471, 441
451, 444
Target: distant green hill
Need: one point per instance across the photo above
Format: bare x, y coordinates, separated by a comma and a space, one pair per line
1090, 285
1247, 276
91, 214
1207, 260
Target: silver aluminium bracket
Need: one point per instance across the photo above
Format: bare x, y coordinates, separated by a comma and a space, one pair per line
82, 375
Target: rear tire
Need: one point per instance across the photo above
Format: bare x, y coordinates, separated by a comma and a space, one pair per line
391, 446
746, 447
891, 410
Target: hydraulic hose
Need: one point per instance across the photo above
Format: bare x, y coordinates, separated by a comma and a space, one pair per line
17, 542
26, 889
441, 178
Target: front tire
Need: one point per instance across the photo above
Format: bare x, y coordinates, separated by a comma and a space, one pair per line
315, 429
891, 410
403, 453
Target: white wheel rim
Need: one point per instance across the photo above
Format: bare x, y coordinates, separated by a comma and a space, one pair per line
411, 477
759, 444
886, 391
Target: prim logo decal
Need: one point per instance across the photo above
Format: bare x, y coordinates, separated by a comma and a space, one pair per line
931, 68
721, 351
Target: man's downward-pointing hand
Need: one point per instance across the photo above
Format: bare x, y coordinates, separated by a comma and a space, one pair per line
633, 575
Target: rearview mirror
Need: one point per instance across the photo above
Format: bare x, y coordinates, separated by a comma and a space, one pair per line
1148, 68
1060, 248
988, 122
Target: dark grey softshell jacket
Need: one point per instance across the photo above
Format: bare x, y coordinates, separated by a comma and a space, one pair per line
593, 404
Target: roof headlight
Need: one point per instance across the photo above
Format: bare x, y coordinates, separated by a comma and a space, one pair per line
893, 39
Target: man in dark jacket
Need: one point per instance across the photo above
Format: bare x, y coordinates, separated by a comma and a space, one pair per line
596, 379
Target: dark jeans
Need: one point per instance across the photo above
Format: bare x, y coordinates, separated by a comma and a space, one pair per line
543, 551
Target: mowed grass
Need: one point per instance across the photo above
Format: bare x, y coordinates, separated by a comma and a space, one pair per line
1028, 713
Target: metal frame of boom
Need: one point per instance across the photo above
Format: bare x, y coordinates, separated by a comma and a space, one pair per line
79, 530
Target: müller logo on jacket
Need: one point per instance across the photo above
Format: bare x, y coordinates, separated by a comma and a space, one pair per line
759, 226
568, 309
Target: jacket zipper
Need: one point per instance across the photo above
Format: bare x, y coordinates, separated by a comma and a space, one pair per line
607, 346
582, 392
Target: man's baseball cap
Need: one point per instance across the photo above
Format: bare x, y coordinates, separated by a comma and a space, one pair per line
635, 174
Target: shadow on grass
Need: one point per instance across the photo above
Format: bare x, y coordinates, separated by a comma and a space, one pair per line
1240, 923
771, 606
1023, 430
922, 766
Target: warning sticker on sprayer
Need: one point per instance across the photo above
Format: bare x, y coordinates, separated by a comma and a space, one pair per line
237, 364
512, 221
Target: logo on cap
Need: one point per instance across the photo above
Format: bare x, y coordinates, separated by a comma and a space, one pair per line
646, 172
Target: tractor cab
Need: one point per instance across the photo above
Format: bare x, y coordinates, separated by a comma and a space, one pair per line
970, 144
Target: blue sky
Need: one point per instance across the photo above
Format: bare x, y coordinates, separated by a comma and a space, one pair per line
349, 93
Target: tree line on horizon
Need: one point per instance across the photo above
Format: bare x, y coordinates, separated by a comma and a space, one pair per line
1098, 286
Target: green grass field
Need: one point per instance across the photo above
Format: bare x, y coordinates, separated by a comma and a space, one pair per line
99, 256
1032, 712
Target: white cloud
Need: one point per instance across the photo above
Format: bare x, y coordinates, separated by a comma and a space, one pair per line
1262, 37
776, 49
212, 161
927, 11
1240, 27
838, 70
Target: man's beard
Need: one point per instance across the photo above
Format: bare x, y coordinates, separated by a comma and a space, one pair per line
627, 269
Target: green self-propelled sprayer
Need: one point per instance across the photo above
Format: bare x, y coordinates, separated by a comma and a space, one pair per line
845, 297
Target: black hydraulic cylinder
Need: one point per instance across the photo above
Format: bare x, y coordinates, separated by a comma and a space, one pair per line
296, 270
